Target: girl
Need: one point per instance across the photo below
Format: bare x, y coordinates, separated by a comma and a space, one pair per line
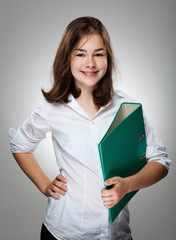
78, 111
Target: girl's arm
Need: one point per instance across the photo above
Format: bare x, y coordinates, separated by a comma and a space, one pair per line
150, 174
31, 168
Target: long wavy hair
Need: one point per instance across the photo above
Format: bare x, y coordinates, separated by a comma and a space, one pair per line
63, 81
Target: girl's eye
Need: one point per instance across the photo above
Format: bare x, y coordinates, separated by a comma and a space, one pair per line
99, 55
95, 55
80, 55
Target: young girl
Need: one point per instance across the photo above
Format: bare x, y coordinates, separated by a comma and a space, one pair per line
78, 111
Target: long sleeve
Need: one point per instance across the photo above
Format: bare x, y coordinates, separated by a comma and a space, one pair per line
156, 151
27, 136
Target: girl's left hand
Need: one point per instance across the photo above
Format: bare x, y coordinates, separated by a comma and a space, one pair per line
115, 193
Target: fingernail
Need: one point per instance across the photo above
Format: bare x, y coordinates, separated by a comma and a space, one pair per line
107, 181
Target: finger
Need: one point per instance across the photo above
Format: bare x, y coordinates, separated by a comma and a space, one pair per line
57, 190
60, 185
61, 178
107, 198
109, 204
106, 192
112, 181
53, 194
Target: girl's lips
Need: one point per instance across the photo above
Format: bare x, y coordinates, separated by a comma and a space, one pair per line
90, 74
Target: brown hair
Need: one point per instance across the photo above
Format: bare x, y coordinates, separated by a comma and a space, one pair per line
63, 83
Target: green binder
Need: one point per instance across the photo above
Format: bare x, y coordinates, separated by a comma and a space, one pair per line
122, 149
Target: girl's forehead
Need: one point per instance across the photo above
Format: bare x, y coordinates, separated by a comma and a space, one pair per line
92, 39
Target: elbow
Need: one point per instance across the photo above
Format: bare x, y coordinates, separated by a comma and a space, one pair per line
160, 170
165, 172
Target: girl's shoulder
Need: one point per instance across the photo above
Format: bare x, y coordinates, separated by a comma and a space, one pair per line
125, 96
55, 108
48, 106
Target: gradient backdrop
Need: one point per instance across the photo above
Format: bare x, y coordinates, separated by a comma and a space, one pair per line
143, 36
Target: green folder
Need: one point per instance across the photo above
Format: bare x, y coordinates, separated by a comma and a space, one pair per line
122, 149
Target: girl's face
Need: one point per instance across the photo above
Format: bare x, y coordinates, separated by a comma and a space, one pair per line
89, 62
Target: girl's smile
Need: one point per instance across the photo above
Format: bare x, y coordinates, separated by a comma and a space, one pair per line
90, 74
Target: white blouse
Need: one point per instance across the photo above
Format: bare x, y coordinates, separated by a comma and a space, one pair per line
80, 214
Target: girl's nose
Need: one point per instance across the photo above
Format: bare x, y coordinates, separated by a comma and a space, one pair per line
90, 63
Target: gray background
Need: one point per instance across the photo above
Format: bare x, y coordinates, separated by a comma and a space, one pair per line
143, 37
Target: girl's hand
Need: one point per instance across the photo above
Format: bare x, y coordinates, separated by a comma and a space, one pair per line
114, 194
57, 187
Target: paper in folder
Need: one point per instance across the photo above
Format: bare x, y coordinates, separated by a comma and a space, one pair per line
123, 147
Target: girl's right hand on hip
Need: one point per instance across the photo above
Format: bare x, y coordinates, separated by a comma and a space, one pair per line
57, 187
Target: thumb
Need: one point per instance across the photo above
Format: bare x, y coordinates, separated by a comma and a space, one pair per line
112, 181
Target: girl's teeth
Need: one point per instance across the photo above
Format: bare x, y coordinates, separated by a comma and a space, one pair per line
89, 73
